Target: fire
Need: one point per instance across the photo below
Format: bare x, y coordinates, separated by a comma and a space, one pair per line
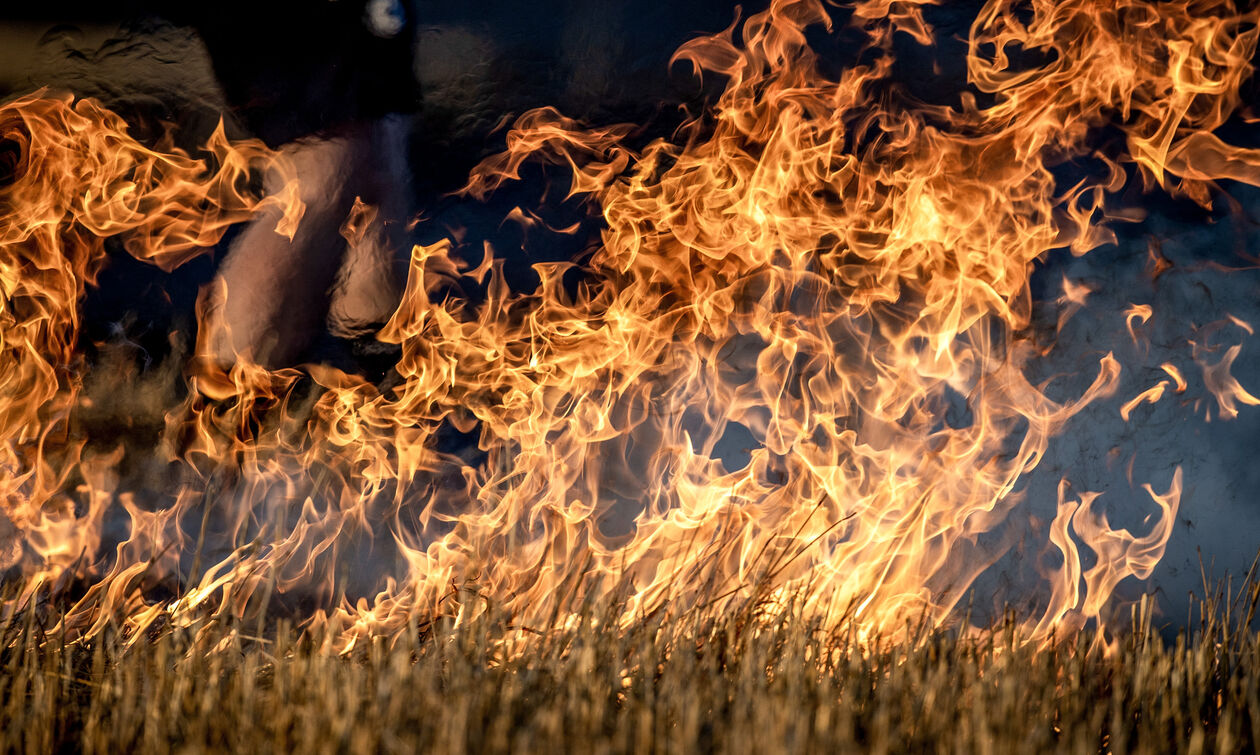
819, 262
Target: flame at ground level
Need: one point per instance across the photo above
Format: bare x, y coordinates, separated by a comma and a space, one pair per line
819, 261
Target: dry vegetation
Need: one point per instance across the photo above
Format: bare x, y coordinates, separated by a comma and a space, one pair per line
679, 686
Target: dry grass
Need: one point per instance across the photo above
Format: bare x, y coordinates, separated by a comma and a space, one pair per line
680, 686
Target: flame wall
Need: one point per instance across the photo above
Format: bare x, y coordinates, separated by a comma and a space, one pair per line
837, 336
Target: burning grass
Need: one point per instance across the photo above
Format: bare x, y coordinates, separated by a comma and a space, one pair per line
685, 685
818, 260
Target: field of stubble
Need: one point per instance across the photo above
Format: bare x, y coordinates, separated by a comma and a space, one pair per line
731, 684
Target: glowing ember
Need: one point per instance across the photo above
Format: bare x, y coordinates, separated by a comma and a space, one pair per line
821, 263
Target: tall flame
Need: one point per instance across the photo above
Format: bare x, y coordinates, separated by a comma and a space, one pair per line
821, 263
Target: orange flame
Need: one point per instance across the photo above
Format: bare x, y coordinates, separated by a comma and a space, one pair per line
819, 262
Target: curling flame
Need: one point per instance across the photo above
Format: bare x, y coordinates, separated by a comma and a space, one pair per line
1150, 395
1176, 375
819, 263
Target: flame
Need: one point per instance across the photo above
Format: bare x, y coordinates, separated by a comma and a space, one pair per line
1176, 375
1141, 313
1150, 395
78, 180
818, 262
